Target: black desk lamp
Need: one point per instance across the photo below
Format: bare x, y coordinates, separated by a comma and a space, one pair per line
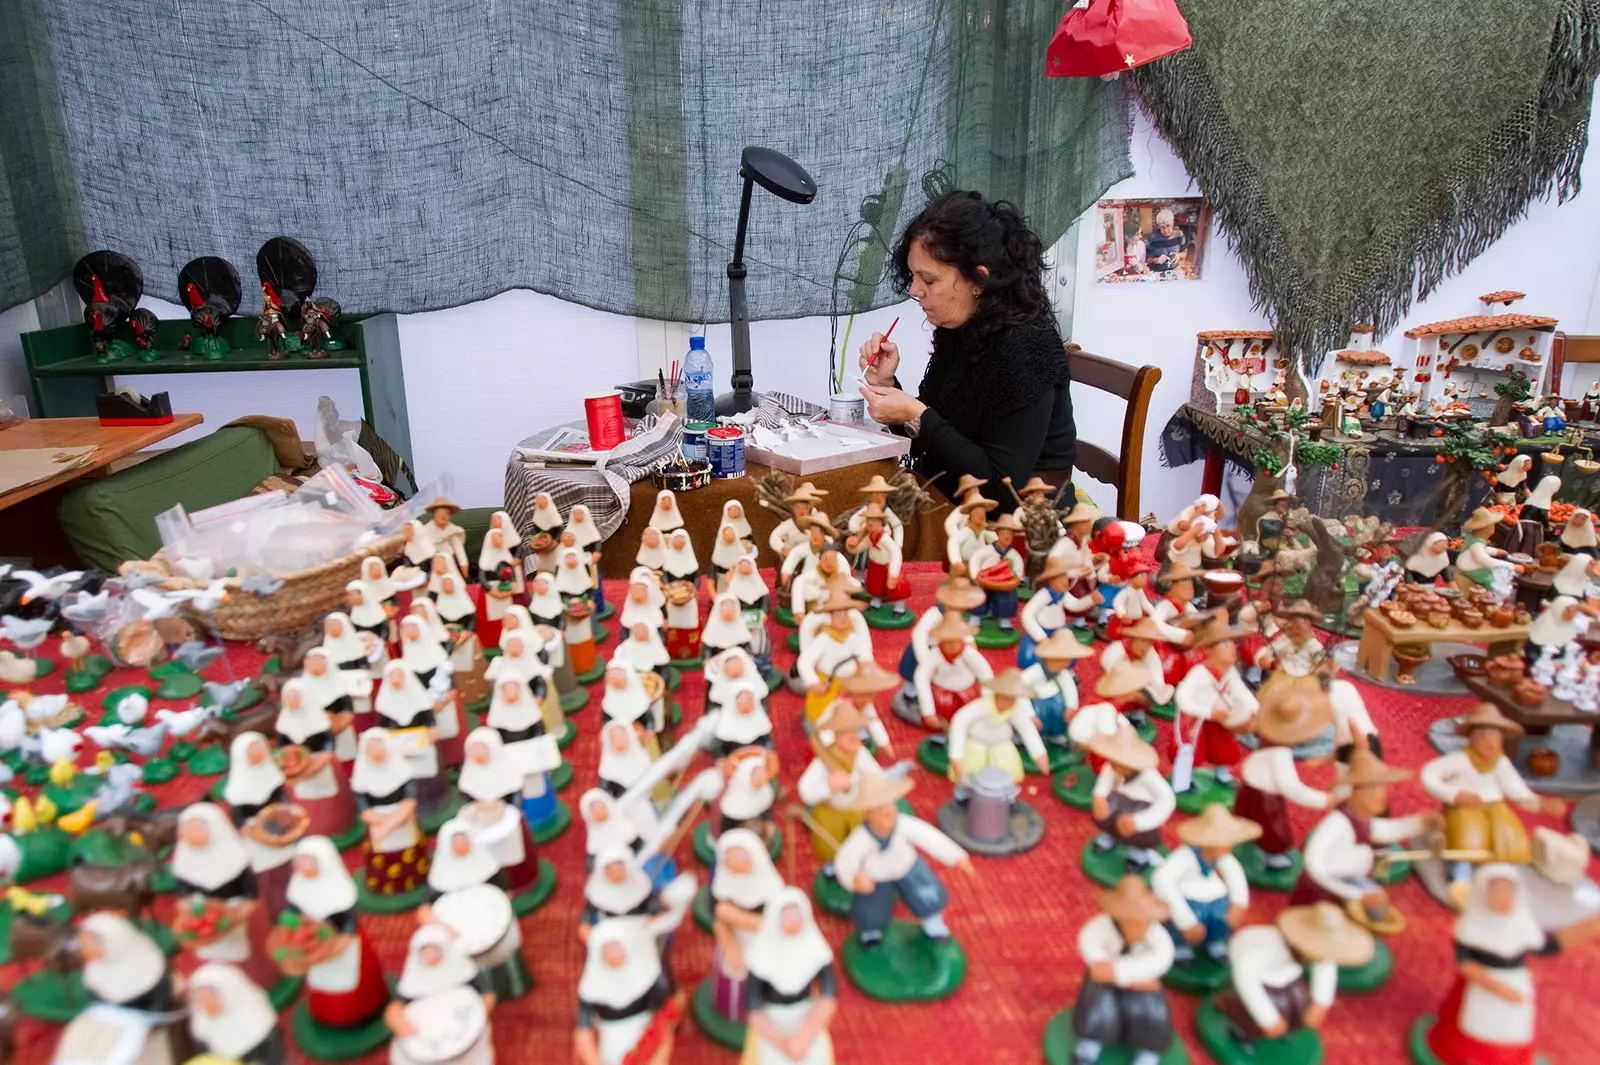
785, 178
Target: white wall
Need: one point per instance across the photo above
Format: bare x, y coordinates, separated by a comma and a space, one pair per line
482, 376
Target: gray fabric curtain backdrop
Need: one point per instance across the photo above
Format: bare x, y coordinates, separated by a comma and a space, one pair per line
432, 153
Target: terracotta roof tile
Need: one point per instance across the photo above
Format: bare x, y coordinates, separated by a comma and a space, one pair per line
1362, 357
1236, 334
1361, 330
1482, 323
1502, 295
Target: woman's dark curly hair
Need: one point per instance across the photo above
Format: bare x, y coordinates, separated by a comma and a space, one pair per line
964, 230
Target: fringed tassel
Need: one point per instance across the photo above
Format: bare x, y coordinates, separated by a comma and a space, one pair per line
1537, 150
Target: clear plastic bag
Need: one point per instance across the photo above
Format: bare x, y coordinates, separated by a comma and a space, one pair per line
335, 441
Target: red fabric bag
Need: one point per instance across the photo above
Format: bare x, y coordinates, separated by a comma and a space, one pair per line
1109, 36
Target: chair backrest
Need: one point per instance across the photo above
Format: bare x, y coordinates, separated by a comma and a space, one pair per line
1135, 385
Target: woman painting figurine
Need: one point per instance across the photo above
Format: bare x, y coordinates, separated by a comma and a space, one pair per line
792, 986
995, 399
345, 988
396, 853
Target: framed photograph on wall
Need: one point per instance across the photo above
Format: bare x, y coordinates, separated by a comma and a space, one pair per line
1151, 240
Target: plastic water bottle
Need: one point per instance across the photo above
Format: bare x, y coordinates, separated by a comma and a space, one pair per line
697, 371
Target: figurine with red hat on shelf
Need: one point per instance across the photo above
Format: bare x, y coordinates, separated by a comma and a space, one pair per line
1121, 1013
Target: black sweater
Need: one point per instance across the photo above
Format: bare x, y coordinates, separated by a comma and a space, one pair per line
999, 406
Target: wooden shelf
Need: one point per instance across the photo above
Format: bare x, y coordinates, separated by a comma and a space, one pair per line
188, 362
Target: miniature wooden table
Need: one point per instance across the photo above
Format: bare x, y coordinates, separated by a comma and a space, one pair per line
1536, 719
111, 442
1375, 653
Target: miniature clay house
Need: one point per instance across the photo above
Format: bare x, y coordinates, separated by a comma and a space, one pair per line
1236, 366
1481, 350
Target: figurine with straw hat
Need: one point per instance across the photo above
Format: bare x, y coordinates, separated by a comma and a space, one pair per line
1135, 647
1213, 703
1475, 562
967, 489
973, 533
1285, 979
882, 861
1053, 691
1113, 690
1204, 886
1270, 782
877, 493
1053, 606
954, 598
998, 569
439, 534
884, 582
949, 676
1120, 1007
987, 731
802, 503
803, 557
832, 651
832, 779
1132, 800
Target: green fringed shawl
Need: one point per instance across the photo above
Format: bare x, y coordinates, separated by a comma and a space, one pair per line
1357, 152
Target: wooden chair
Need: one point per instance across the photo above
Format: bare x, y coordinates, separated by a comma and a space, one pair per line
1134, 384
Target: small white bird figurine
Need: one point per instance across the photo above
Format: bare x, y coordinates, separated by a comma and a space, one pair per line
26, 633
156, 605
53, 745
107, 736
204, 599
132, 707
42, 587
87, 609
15, 669
42, 707
13, 725
199, 569
182, 722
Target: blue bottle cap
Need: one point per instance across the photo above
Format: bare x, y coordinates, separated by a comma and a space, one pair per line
696, 342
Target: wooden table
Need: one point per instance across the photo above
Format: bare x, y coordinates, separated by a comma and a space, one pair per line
110, 443
1375, 653
1536, 719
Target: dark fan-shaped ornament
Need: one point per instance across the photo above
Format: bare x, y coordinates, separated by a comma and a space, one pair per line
286, 266
110, 285
209, 287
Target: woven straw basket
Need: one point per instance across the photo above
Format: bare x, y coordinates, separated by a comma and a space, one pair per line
305, 597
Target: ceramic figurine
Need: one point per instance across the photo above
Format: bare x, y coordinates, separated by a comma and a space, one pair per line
949, 675
1339, 851
439, 1016
217, 914
1132, 800
832, 651
1041, 521
954, 597
1294, 652
1510, 485
1474, 563
884, 581
448, 589
792, 986
318, 317
1430, 561
467, 898
1126, 951
1173, 612
586, 537
406, 710
880, 862
1136, 647
729, 673
646, 601
967, 489
1213, 703
517, 714
1490, 1014
1573, 578
231, 1017
833, 778
316, 777
666, 517
728, 549
742, 885
1568, 676
1053, 689
319, 937
1270, 781
439, 533
396, 852
971, 535
1133, 601
379, 595
343, 644
1115, 688
493, 784
802, 503
501, 576
747, 586
725, 627
1203, 884
988, 730
1553, 415
628, 1011
642, 649
1080, 523
1052, 606
652, 553
1188, 538
1554, 628
746, 797
135, 1005
1533, 522
629, 821
1353, 729
877, 492
862, 688
254, 784
1285, 978
1477, 786
678, 562
1543, 669
617, 886
809, 588
1589, 404
547, 527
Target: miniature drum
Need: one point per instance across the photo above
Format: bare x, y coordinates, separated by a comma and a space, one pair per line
1222, 583
727, 992
684, 478
481, 915
452, 1029
989, 811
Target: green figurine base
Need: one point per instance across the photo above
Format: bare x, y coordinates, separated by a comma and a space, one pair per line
1060, 1047
906, 966
718, 1029
594, 675
282, 993
50, 997
163, 670
934, 756
1204, 791
601, 634
1106, 868
705, 849
85, 675
673, 678
1302, 1046
793, 642
888, 618
356, 833
575, 700
320, 1043
432, 822
606, 613
182, 751
562, 776
1163, 711
211, 762
830, 895
1359, 979
1422, 1054
179, 686
1254, 863
991, 637
212, 348
159, 771
115, 351
1200, 977
784, 617
674, 712
1063, 756
249, 697
558, 823
1075, 787
399, 902
537, 895
569, 736
687, 665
